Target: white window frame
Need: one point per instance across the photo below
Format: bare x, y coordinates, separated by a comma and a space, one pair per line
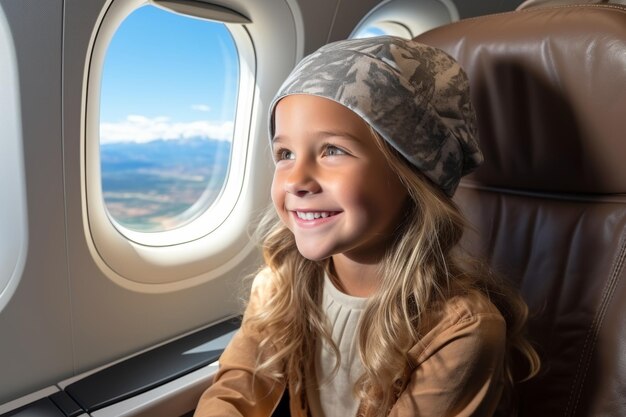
13, 210
409, 15
188, 255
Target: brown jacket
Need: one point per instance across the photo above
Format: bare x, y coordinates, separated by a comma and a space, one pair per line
456, 369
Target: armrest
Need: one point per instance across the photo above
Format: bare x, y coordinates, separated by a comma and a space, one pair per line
164, 381
153, 368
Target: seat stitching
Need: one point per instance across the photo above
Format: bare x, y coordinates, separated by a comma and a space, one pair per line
594, 330
608, 6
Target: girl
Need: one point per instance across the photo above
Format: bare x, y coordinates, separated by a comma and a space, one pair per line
365, 306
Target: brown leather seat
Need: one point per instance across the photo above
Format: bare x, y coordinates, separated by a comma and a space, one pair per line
543, 3
549, 204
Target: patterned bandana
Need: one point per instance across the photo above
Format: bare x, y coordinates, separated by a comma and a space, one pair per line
415, 96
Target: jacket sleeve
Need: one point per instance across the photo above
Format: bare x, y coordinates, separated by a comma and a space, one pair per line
459, 371
236, 391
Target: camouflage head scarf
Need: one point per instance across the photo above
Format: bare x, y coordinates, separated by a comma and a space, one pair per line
415, 96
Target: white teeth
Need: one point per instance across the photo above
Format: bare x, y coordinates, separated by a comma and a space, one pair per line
310, 215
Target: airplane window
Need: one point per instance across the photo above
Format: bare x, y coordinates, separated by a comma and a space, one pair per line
13, 218
383, 28
167, 110
405, 18
169, 94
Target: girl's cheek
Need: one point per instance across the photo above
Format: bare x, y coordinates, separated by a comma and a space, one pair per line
274, 191
278, 200
278, 207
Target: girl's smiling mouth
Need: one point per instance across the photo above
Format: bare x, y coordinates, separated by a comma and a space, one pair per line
311, 215
313, 218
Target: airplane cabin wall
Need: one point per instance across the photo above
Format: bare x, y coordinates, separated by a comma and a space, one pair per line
478, 8
35, 326
329, 20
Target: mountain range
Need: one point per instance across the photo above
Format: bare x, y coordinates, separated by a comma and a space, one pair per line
150, 186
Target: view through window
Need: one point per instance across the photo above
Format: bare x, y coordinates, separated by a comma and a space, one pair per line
167, 111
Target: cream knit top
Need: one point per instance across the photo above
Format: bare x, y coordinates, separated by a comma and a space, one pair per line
333, 394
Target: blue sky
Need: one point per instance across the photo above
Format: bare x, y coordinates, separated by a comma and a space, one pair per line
168, 75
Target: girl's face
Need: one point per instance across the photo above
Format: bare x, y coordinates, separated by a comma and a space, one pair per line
332, 186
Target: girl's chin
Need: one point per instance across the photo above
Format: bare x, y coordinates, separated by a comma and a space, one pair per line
312, 253
314, 257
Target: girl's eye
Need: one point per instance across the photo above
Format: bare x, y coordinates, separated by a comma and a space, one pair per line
333, 151
284, 154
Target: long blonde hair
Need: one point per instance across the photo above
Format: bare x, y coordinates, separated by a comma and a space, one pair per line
423, 266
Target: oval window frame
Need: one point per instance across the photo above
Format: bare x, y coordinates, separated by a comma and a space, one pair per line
417, 18
182, 257
14, 217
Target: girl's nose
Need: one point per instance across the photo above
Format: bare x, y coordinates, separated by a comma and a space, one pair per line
301, 180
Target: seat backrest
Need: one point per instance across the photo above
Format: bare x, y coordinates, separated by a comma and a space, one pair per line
549, 204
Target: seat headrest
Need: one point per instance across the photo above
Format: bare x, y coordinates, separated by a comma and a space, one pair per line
543, 3
549, 87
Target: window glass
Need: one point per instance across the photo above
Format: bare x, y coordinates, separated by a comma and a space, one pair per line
383, 28
167, 111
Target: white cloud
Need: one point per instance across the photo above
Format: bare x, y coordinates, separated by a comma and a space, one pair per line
144, 129
201, 107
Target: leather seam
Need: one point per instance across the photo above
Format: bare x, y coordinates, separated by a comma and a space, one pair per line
594, 330
533, 10
614, 198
